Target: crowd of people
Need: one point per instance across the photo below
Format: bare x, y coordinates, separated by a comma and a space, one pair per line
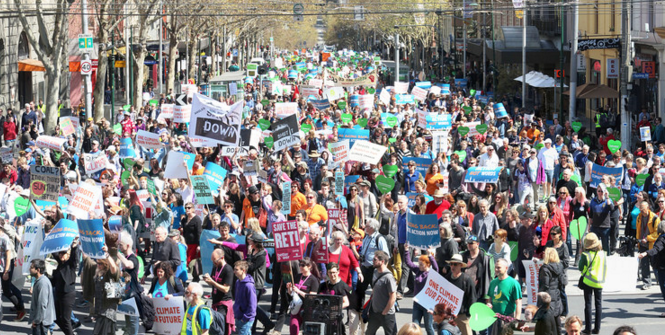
544, 182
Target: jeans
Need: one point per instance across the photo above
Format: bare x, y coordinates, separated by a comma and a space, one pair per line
40, 329
131, 325
244, 327
645, 267
660, 274
598, 302
376, 320
419, 312
614, 234
11, 292
603, 236
569, 241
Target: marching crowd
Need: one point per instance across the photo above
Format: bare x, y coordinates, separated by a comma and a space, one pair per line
546, 201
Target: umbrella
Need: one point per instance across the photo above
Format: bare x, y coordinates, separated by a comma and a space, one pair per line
582, 89
600, 92
539, 80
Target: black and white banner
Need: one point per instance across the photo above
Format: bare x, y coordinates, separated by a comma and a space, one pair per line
215, 121
285, 132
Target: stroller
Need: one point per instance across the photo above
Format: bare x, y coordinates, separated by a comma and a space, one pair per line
626, 246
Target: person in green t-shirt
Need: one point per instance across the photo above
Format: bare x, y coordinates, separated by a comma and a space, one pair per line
504, 295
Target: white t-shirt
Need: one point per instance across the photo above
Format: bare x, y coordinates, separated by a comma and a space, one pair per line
548, 156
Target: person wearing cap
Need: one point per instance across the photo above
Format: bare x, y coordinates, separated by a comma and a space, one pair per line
549, 158
462, 281
478, 262
593, 268
411, 176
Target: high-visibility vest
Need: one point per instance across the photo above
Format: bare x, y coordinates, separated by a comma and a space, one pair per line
196, 327
598, 120
596, 271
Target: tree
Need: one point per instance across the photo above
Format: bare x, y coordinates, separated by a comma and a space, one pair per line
174, 27
146, 14
49, 42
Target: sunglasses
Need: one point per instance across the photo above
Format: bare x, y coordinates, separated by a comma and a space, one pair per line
310, 197
189, 207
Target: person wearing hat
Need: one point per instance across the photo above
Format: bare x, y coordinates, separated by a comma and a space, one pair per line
127, 124
438, 205
477, 259
593, 267
317, 162
256, 259
300, 174
464, 283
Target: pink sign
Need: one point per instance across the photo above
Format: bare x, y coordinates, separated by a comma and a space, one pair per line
287, 241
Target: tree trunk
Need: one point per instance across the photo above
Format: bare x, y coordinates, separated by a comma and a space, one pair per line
173, 48
191, 58
52, 93
102, 67
139, 57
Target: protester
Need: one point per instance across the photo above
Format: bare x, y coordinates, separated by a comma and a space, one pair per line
593, 266
382, 302
42, 308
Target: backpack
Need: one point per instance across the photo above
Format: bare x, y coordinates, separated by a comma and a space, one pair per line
218, 324
148, 312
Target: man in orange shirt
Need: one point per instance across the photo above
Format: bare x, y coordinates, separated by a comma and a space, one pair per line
315, 212
297, 200
532, 132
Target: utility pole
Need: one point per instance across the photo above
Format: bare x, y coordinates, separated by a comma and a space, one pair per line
112, 70
86, 56
482, 39
560, 116
464, 53
127, 61
396, 57
625, 62
526, 13
573, 65
160, 54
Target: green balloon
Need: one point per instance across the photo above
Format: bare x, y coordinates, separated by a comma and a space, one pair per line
126, 107
614, 145
306, 128
481, 316
21, 205
481, 128
641, 178
390, 170
264, 124
268, 141
385, 184
578, 228
346, 118
463, 131
392, 121
461, 154
576, 126
362, 122
371, 90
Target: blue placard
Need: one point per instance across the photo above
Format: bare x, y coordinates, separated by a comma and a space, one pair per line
412, 198
320, 104
402, 99
422, 231
438, 121
482, 175
422, 164
352, 135
42, 204
60, 238
500, 110
482, 99
300, 65
126, 148
63, 202
445, 89
461, 82
293, 74
640, 76
424, 84
215, 175
354, 100
350, 180
115, 223
286, 197
91, 235
207, 248
339, 182
597, 173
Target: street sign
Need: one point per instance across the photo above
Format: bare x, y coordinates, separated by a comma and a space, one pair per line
85, 42
359, 13
298, 9
86, 67
181, 99
298, 18
120, 63
558, 73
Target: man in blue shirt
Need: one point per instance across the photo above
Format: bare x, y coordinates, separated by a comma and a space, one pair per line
403, 203
411, 177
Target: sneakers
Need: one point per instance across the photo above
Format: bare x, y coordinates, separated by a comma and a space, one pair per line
20, 315
645, 287
399, 296
83, 304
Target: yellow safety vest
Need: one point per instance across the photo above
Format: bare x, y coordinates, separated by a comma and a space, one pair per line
596, 271
597, 120
196, 328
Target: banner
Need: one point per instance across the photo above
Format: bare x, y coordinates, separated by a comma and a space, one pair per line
306, 91
286, 198
32, 240
320, 104
169, 315
287, 241
44, 182
366, 101
598, 171
334, 93
248, 138
202, 190
215, 121
412, 198
352, 135
482, 175
401, 88
84, 200
207, 248
368, 80
216, 175
148, 140
174, 167
422, 231
337, 216
340, 152
284, 109
436, 90
286, 133
95, 163
60, 238
434, 120
438, 290
115, 223
403, 99
91, 235
182, 114
445, 89
54, 143
126, 148
532, 269
366, 152
66, 126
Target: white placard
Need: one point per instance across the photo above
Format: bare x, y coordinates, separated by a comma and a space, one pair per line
645, 134
532, 269
334, 93
84, 201
182, 114
174, 168
166, 111
33, 237
366, 152
148, 140
169, 315
50, 142
215, 121
95, 163
401, 88
340, 152
438, 290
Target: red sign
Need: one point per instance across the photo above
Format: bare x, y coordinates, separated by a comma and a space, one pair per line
559, 74
337, 216
596, 66
38, 187
650, 68
320, 253
287, 241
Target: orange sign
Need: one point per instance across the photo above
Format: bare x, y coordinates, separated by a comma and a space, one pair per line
650, 68
325, 56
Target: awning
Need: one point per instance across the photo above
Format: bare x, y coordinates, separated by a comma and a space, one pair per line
600, 92
539, 80
30, 65
508, 47
584, 88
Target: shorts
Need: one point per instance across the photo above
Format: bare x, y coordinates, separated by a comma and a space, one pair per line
550, 175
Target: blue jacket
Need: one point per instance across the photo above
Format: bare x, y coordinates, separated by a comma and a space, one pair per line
244, 306
653, 189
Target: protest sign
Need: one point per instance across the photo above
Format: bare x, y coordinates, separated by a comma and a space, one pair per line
384, 97
84, 200
316, 83
95, 163
366, 152
215, 175
166, 111
7, 155
401, 88
126, 148
368, 80
419, 93
60, 237
320, 104
434, 120
422, 231
621, 274
248, 138
207, 248
337, 216
148, 140
285, 132
435, 90
500, 111
307, 91
598, 171
44, 182
202, 190
440, 141
339, 182
32, 241
115, 223
422, 164
412, 198
403, 99
54, 143
645, 134
532, 269
284, 109
66, 126
438, 290
286, 197
91, 235
128, 307
340, 152
334, 93
182, 114
352, 135
215, 121
482, 175
287, 241
168, 315
174, 167
366, 101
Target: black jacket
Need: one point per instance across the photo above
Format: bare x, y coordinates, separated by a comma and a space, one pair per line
657, 253
550, 280
166, 251
64, 276
546, 322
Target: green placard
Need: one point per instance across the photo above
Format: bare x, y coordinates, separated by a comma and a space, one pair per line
21, 205
126, 107
385, 184
641, 178
362, 122
390, 170
269, 142
614, 145
346, 118
615, 193
463, 131
306, 128
341, 105
467, 109
154, 102
151, 187
124, 176
461, 154
128, 163
117, 129
391, 121
576, 126
481, 128
264, 124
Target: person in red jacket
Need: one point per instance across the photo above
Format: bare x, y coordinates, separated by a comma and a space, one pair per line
438, 205
9, 173
9, 130
556, 216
